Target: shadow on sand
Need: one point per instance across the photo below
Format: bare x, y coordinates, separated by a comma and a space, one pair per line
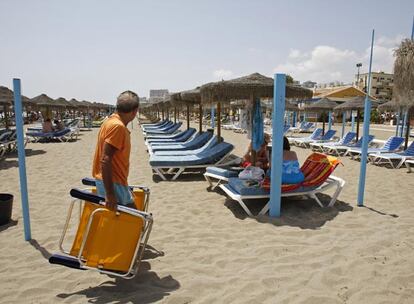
300, 212
8, 225
146, 287
6, 163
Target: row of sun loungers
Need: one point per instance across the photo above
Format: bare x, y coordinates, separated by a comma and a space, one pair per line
173, 153
389, 153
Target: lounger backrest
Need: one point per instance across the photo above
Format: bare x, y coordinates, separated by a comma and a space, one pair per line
61, 132
216, 152
348, 137
199, 140
393, 143
328, 135
410, 149
5, 135
358, 144
317, 133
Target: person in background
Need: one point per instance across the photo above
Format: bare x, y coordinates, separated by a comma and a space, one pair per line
47, 126
111, 160
58, 125
262, 156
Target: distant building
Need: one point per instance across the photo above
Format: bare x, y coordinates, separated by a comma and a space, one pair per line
143, 100
381, 84
157, 95
308, 84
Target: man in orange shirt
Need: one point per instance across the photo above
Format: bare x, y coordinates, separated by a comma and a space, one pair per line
111, 161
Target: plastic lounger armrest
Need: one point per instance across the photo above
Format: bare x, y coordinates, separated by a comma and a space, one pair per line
65, 261
86, 196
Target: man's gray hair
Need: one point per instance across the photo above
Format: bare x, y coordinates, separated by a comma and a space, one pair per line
127, 102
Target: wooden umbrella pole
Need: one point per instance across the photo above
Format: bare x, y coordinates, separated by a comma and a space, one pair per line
175, 114
219, 121
357, 128
323, 123
200, 126
407, 129
188, 117
162, 114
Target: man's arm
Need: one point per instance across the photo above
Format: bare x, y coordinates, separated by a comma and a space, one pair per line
106, 163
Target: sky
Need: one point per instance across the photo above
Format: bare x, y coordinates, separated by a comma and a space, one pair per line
94, 49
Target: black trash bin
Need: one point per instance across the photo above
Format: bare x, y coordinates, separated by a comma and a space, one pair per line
6, 206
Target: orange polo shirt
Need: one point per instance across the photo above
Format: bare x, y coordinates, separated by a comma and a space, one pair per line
115, 133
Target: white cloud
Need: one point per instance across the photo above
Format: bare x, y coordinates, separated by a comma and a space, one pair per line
222, 74
328, 63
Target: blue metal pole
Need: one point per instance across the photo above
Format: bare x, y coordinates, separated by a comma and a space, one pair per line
213, 122
294, 119
304, 116
343, 123
352, 121
412, 30
330, 120
367, 117
18, 113
279, 95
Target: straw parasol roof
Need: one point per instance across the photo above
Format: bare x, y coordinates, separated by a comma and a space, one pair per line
245, 87
388, 106
6, 96
62, 102
191, 95
404, 74
322, 105
356, 103
43, 100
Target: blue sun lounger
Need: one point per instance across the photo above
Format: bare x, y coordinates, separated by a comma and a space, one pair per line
324, 138
179, 137
170, 130
388, 158
317, 134
160, 128
62, 135
157, 124
165, 123
195, 143
341, 150
210, 143
177, 164
345, 140
392, 144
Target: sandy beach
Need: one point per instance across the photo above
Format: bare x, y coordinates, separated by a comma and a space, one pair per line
203, 247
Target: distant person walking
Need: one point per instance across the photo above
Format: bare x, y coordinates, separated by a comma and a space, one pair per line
111, 161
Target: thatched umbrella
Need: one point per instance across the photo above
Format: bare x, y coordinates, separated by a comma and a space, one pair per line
322, 106
43, 101
356, 103
388, 106
6, 100
251, 87
404, 79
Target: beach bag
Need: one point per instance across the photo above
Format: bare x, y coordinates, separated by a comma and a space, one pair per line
252, 173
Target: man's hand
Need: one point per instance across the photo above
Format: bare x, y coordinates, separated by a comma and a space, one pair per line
111, 202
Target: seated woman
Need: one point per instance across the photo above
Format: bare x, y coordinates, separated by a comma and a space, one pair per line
291, 173
47, 126
262, 156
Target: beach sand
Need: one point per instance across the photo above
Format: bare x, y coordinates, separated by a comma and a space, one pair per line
203, 247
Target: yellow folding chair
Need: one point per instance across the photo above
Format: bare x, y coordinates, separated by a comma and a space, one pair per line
111, 242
